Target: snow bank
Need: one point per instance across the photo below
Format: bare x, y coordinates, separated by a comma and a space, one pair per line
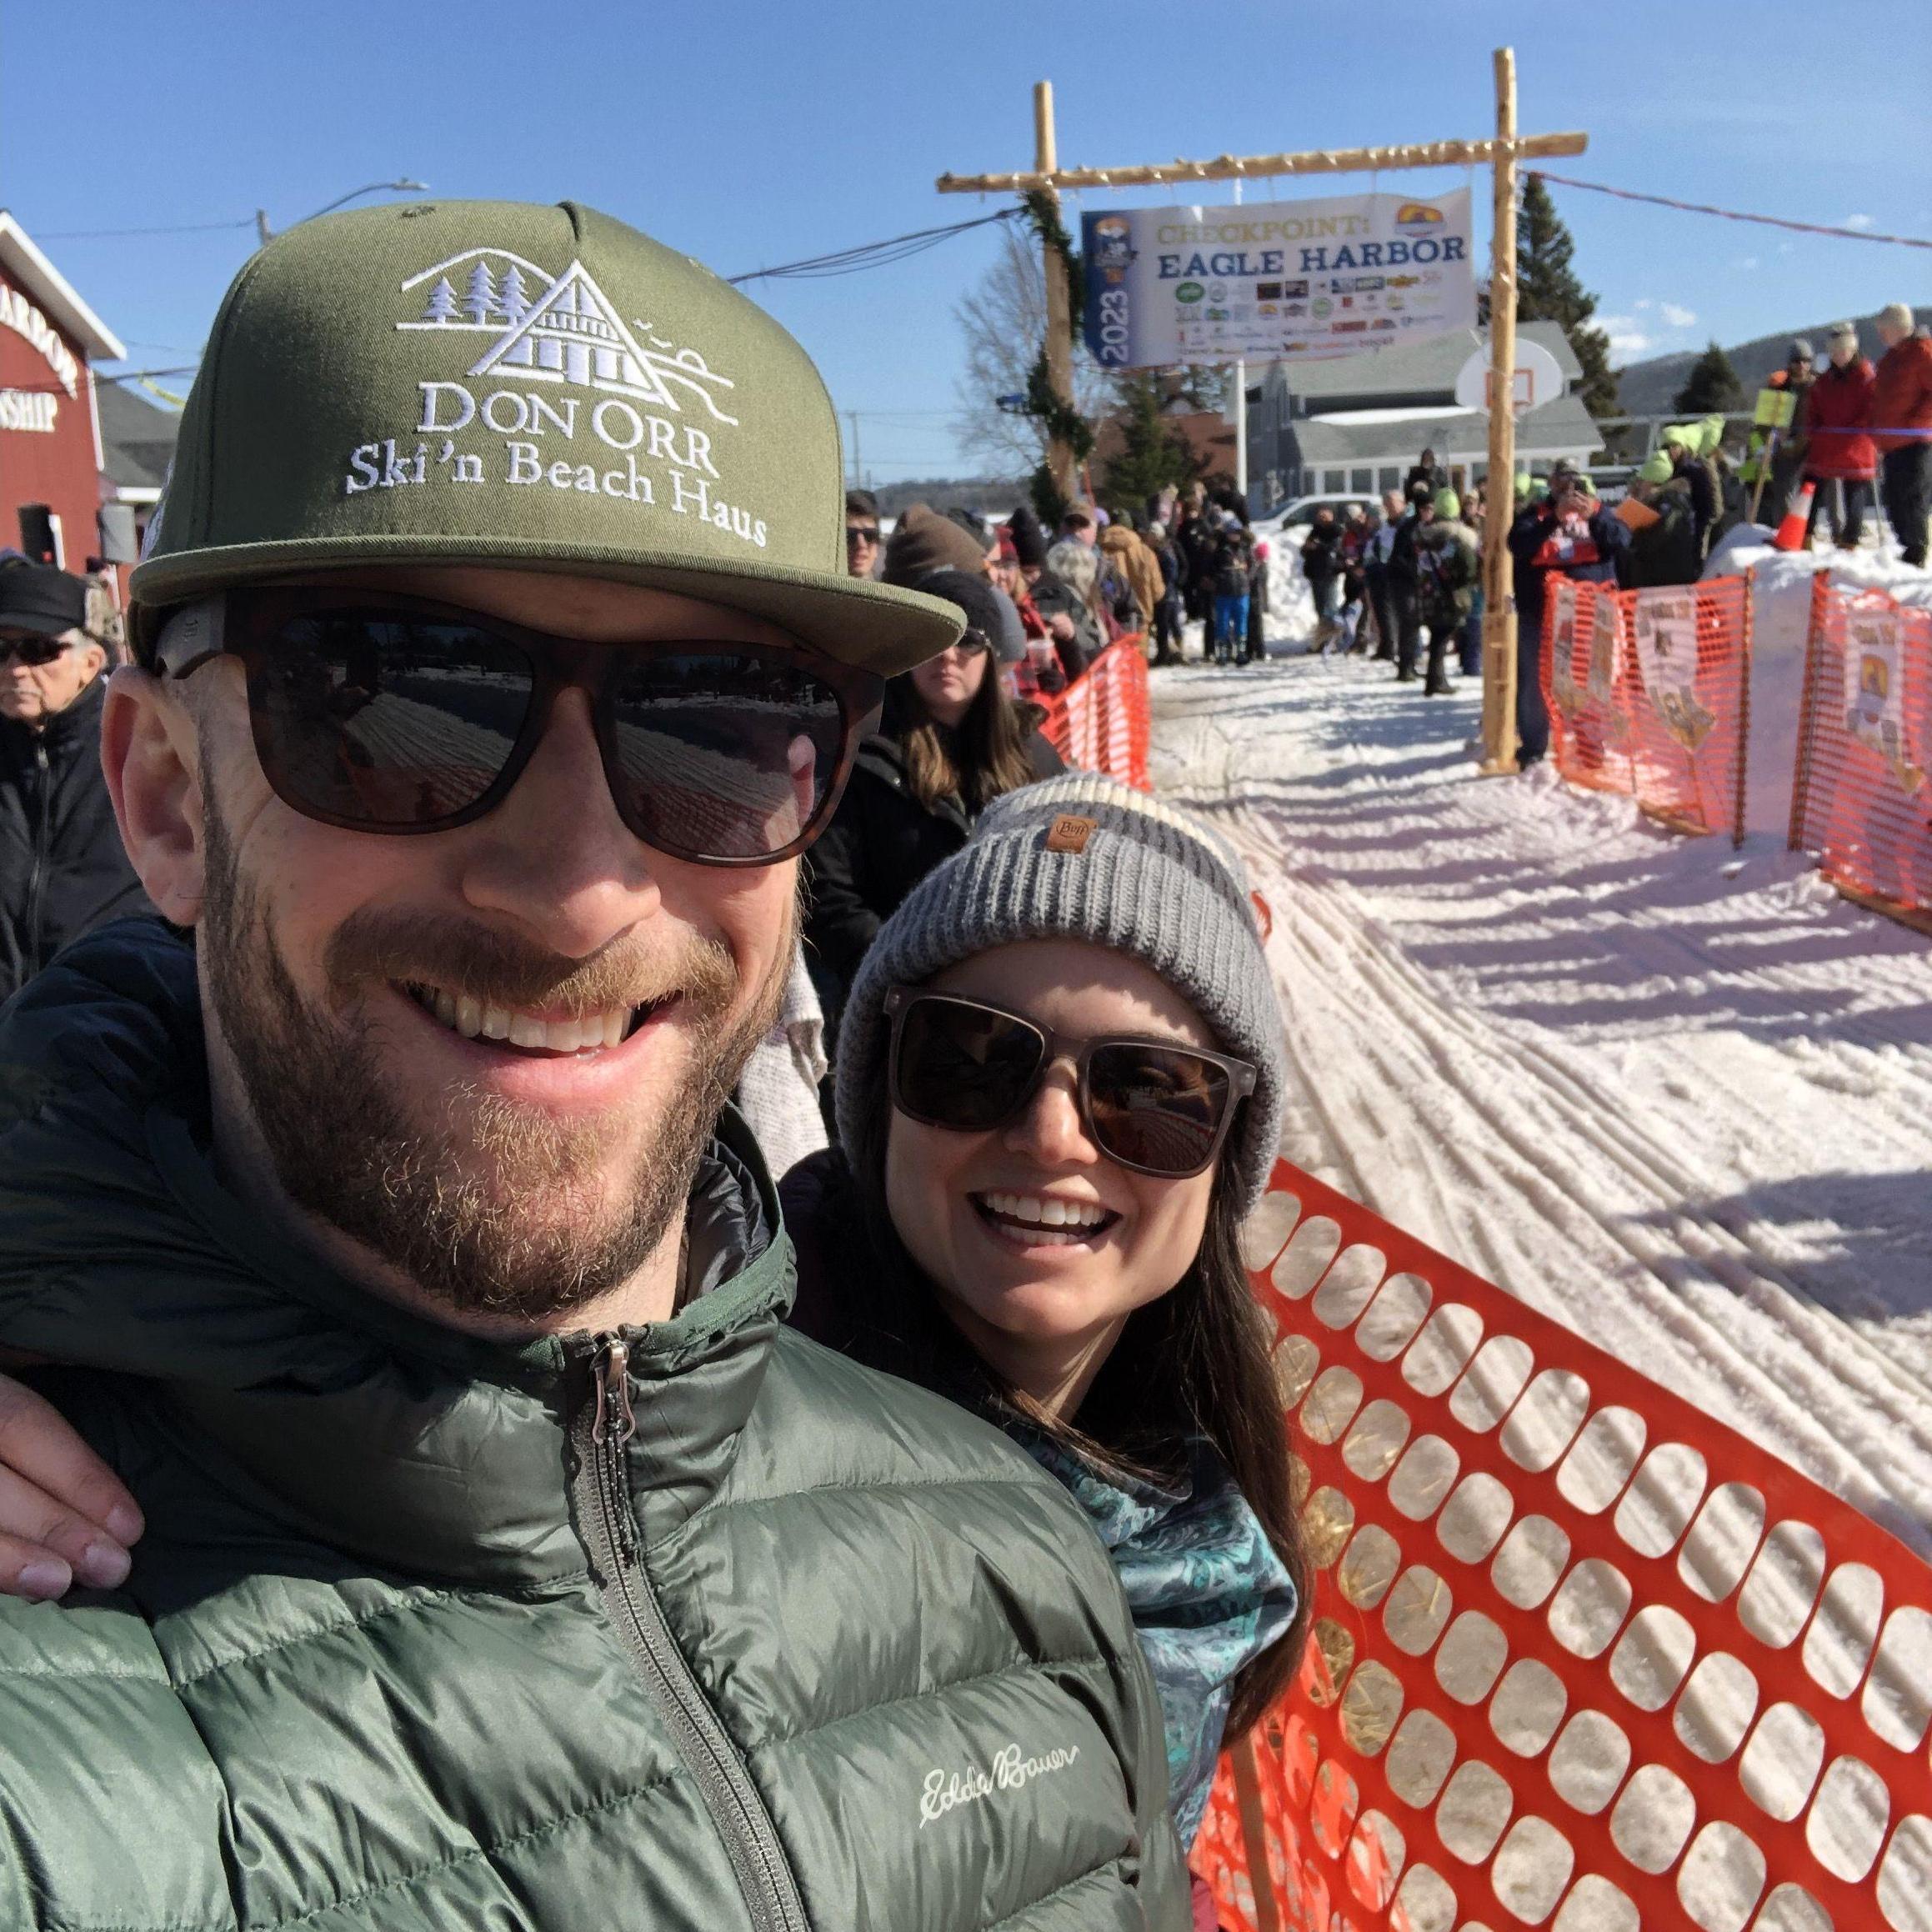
1780, 622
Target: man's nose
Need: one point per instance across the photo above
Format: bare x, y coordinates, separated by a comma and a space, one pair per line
554, 856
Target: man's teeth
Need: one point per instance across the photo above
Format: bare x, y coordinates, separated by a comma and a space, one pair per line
1036, 1212
474, 1019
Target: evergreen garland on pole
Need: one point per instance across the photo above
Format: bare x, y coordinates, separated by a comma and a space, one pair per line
1043, 210
1058, 418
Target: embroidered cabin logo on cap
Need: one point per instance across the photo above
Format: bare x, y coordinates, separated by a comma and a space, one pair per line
1069, 833
562, 366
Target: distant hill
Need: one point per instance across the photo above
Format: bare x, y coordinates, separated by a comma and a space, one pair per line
981, 493
1649, 387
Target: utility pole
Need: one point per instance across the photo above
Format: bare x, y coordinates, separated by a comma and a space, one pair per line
1241, 413
1504, 152
1499, 617
1059, 342
858, 469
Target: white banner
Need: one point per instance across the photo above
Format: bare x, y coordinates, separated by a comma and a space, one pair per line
1328, 277
1663, 628
1874, 682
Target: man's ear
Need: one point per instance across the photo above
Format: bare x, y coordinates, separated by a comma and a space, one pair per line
150, 751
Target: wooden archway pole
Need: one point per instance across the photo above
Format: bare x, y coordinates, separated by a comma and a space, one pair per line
1059, 342
1499, 595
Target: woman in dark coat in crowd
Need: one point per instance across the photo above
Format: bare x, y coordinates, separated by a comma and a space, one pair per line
950, 742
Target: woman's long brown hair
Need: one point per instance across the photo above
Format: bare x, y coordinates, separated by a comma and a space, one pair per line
1194, 1362
981, 760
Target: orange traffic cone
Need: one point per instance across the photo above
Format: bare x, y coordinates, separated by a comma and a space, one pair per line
1791, 532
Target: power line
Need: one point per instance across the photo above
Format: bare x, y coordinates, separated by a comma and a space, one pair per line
871, 254
1698, 207
179, 228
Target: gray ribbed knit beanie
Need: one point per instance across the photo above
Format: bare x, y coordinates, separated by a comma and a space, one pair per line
1084, 858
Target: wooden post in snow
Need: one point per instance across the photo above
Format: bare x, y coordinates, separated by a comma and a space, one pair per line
1499, 617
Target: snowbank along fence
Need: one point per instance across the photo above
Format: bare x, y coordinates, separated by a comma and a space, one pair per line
1583, 1657
1648, 693
1861, 799
1100, 723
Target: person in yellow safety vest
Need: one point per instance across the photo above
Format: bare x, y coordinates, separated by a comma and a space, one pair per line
1776, 450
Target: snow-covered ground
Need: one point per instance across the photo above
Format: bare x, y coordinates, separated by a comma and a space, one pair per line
1677, 1097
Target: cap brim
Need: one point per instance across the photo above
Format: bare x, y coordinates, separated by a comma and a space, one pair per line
876, 626
42, 624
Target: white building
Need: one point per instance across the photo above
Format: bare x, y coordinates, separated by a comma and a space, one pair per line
1355, 424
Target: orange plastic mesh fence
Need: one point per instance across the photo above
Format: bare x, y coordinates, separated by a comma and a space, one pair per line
1100, 722
1647, 693
1862, 801
1581, 1656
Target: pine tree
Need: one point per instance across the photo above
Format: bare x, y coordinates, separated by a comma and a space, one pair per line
513, 297
482, 298
1548, 290
1712, 387
441, 301
1153, 454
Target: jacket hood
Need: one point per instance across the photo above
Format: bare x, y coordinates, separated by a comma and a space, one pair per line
379, 1430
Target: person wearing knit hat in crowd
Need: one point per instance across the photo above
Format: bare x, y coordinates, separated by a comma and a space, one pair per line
1902, 427
923, 541
1173, 577
1683, 443
1041, 675
1663, 551
1840, 460
950, 741
1449, 563
1061, 1081
1077, 633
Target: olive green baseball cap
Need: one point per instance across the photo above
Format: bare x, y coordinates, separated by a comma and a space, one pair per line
516, 386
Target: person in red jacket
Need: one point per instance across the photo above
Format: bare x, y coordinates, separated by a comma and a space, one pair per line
1840, 458
1902, 427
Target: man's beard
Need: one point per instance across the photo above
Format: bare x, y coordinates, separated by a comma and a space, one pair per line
451, 1205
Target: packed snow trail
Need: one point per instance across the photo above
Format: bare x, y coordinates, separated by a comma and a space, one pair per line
1678, 1098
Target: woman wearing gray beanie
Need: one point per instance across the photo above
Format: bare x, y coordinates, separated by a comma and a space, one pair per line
1059, 1088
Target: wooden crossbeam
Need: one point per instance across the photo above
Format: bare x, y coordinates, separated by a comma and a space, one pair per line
1243, 168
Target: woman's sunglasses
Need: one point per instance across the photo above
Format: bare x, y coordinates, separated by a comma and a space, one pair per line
1149, 1105
395, 715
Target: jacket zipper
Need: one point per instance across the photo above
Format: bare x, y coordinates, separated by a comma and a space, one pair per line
36, 878
602, 1425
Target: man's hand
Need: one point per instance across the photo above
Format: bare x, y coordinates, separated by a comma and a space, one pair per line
1062, 627
64, 1514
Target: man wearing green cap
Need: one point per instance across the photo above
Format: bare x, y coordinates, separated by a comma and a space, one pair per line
505, 1562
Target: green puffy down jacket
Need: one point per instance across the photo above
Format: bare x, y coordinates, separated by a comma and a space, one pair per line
411, 1643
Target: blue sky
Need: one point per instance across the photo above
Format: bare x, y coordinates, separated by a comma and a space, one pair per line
750, 135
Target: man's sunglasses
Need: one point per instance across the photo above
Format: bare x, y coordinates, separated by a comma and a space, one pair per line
1147, 1105
395, 715
30, 648
858, 533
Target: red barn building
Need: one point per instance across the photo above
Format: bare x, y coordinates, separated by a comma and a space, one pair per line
52, 483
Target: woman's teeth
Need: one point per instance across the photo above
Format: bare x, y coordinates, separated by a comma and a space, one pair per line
1043, 1220
475, 1020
